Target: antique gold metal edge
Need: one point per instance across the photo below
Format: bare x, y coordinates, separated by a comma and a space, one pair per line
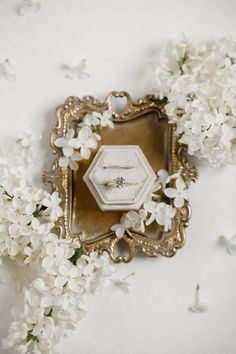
74, 109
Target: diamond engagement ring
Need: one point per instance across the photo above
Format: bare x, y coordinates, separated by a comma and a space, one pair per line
119, 182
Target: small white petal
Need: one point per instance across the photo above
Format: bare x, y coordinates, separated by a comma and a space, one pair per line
170, 192
179, 201
60, 142
70, 134
67, 151
75, 143
76, 156
46, 301
85, 152
150, 220
73, 165
180, 185
47, 262
120, 232
60, 281
30, 209
63, 161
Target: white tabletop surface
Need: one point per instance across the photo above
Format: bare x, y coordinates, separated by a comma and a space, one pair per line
118, 38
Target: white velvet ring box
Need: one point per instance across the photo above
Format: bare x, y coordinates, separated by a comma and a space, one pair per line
120, 177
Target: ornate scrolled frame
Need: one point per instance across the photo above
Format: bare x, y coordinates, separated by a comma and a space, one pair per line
73, 110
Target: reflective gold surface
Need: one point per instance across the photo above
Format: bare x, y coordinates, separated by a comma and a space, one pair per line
150, 134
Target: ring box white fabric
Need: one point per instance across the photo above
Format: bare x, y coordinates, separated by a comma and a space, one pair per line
127, 163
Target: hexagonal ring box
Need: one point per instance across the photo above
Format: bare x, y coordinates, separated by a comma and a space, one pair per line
120, 177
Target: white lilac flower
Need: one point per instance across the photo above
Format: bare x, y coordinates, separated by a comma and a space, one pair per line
32, 250
18, 224
95, 271
33, 199
52, 286
123, 284
86, 140
70, 156
27, 148
55, 254
78, 71
44, 328
103, 265
215, 122
198, 80
28, 6
70, 161
123, 227
229, 243
162, 213
180, 193
198, 306
51, 202
66, 143
34, 294
194, 143
94, 259
28, 137
228, 135
131, 220
163, 177
137, 219
91, 120
68, 275
17, 333
96, 119
106, 119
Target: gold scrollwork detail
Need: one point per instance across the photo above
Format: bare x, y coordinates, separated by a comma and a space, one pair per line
74, 109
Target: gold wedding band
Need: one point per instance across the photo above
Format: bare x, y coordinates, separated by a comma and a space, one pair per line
127, 167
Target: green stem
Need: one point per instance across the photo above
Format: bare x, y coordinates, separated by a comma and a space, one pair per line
6, 193
30, 336
38, 210
96, 129
50, 313
78, 253
182, 61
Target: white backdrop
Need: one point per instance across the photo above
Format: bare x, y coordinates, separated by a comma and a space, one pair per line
118, 38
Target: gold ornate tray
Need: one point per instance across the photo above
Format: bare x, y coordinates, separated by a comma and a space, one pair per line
141, 123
